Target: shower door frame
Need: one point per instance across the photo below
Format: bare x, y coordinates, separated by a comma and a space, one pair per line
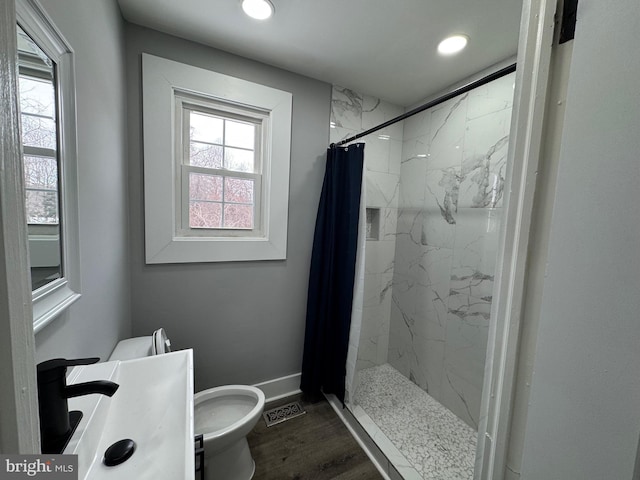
525, 147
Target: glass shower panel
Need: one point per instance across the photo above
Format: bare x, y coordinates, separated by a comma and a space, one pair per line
428, 293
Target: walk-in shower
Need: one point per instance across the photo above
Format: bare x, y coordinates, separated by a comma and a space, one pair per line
434, 185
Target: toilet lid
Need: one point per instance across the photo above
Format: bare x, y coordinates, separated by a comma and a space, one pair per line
160, 343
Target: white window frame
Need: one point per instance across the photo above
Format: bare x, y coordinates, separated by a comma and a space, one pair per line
166, 241
54, 298
186, 103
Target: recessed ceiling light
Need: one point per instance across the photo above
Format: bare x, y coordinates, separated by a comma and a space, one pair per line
258, 9
452, 44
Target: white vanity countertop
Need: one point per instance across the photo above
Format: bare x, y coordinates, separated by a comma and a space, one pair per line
153, 407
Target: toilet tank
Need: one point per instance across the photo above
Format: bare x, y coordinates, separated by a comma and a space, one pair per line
132, 348
139, 347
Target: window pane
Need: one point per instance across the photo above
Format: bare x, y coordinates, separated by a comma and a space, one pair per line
205, 128
238, 160
205, 215
41, 172
42, 206
37, 97
238, 216
205, 155
205, 187
240, 135
38, 132
238, 190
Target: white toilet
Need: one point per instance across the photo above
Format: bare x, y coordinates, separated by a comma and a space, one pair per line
223, 415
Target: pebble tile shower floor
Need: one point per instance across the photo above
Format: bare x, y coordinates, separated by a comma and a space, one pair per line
436, 443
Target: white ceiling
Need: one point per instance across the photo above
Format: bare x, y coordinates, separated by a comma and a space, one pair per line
384, 48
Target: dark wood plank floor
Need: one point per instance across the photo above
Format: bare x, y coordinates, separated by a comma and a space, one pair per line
315, 446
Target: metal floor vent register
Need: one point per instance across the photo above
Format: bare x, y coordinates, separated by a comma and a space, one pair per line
281, 414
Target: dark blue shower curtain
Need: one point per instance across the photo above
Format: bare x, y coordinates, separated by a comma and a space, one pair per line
333, 265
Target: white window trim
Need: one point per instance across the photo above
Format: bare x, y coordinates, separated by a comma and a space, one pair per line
54, 298
162, 79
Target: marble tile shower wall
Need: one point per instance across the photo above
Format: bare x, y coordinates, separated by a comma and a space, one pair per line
449, 211
352, 113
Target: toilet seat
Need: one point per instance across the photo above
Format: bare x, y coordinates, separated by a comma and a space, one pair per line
225, 416
228, 412
160, 343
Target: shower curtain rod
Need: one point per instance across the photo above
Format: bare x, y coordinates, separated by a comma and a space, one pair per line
447, 96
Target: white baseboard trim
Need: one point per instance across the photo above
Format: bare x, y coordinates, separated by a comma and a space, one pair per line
280, 387
337, 407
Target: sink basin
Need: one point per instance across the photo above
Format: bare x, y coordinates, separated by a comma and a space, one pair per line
153, 407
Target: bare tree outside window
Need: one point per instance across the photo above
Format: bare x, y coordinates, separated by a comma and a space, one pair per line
37, 105
220, 199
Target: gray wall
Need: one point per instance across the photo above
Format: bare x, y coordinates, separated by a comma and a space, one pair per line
583, 420
244, 320
93, 325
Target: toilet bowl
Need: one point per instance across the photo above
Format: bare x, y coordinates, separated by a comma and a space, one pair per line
224, 416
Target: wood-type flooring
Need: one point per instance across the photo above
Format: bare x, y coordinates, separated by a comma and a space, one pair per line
314, 446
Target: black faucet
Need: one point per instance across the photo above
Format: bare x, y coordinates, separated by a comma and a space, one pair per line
56, 423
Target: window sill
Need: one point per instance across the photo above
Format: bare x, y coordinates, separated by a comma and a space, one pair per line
51, 301
219, 249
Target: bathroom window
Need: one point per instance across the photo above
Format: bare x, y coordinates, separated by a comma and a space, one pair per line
37, 115
220, 173
216, 165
